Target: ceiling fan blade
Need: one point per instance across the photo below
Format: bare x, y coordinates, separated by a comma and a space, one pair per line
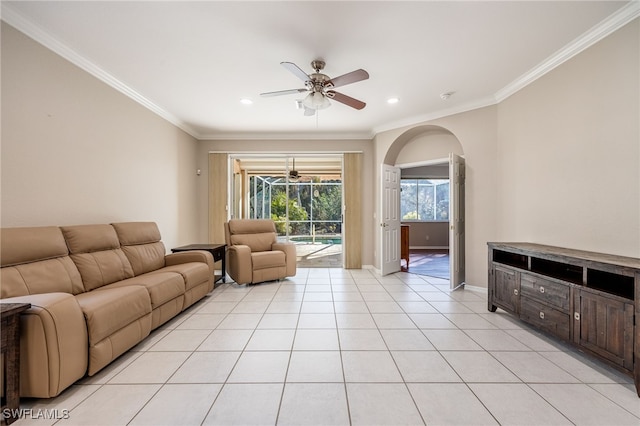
296, 71
347, 100
351, 77
283, 92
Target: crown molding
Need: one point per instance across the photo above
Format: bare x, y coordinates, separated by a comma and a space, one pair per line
613, 23
16, 20
308, 136
412, 121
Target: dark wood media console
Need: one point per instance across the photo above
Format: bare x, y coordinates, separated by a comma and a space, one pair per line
591, 300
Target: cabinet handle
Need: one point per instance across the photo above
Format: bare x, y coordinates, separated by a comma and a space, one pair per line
541, 289
541, 315
576, 315
515, 291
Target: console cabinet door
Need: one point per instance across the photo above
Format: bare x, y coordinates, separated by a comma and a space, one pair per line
506, 289
606, 328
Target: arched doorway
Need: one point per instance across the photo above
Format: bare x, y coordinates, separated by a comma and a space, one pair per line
417, 153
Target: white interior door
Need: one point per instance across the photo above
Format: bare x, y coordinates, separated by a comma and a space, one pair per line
456, 220
390, 220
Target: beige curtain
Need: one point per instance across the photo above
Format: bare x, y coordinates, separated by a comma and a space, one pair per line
351, 184
218, 176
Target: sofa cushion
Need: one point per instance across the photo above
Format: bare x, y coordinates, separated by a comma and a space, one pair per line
258, 234
193, 273
36, 260
141, 244
256, 242
24, 245
46, 276
145, 257
268, 259
161, 286
109, 310
132, 233
95, 249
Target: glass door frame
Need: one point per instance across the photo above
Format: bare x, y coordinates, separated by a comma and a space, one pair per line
287, 159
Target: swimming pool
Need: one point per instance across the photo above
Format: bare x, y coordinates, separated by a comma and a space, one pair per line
325, 239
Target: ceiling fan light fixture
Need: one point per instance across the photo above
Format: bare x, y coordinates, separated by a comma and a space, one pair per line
316, 100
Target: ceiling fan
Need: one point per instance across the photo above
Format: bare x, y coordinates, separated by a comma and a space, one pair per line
320, 87
293, 173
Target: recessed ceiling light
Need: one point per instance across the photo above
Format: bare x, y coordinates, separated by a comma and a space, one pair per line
246, 101
393, 100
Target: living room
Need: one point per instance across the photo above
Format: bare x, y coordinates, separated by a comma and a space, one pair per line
555, 162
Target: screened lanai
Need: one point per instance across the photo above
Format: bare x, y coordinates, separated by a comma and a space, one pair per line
303, 196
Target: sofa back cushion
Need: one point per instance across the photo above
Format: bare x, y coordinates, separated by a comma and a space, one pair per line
36, 260
258, 234
141, 244
95, 249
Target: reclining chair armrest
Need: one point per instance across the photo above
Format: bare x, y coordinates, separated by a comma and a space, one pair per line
54, 344
190, 256
239, 264
290, 254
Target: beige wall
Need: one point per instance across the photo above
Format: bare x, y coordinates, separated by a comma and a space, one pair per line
75, 151
423, 235
292, 147
569, 152
429, 146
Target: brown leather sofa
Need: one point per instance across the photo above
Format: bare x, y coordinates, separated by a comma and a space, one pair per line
95, 292
254, 254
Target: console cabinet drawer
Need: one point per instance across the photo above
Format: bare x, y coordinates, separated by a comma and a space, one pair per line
545, 291
545, 317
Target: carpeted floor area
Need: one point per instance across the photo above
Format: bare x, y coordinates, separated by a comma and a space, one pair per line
434, 263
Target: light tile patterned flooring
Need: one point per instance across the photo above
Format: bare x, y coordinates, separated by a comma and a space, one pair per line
338, 347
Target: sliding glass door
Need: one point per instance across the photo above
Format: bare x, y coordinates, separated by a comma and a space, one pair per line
302, 195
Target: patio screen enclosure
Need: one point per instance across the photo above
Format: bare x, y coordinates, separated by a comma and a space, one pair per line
307, 210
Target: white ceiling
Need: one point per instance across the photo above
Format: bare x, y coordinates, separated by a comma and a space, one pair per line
192, 62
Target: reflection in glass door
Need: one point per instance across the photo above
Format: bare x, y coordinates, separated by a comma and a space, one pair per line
305, 203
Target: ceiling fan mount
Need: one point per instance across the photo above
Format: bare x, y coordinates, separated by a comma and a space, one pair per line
318, 65
320, 87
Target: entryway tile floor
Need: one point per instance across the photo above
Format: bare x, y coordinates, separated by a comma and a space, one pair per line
340, 347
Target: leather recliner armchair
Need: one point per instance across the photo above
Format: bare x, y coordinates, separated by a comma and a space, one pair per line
254, 254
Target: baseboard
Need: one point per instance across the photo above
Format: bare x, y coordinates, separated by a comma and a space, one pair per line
476, 288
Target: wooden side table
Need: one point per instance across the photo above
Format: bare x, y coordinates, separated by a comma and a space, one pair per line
10, 326
404, 243
216, 250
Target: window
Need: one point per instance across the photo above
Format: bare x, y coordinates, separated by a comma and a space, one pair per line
424, 199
